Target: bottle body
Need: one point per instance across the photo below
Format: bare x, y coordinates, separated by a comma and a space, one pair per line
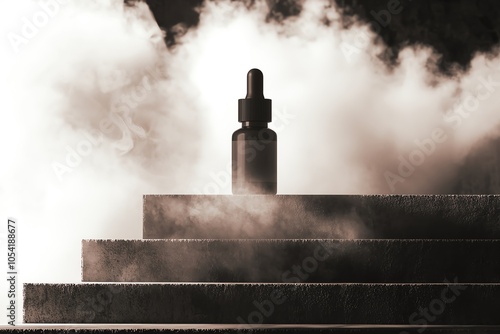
254, 159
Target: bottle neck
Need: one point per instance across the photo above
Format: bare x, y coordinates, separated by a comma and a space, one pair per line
251, 124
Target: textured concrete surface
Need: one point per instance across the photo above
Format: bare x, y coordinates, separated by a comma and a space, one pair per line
363, 261
239, 329
321, 216
217, 303
231, 329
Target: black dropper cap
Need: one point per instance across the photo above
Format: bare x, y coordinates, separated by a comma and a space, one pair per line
254, 107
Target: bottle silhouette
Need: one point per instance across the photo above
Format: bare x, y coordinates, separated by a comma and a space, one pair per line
254, 146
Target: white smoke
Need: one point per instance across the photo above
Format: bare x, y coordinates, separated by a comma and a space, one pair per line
96, 111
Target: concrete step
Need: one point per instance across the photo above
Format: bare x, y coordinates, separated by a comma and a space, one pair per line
290, 261
322, 216
233, 303
239, 329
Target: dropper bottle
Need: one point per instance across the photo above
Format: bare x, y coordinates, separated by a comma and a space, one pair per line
254, 151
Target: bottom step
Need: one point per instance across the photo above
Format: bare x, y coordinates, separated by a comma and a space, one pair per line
232, 329
258, 303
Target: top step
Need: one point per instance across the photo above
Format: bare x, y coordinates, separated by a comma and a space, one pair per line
321, 216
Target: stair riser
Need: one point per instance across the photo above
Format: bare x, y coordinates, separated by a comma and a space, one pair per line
291, 261
252, 304
321, 216
208, 329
